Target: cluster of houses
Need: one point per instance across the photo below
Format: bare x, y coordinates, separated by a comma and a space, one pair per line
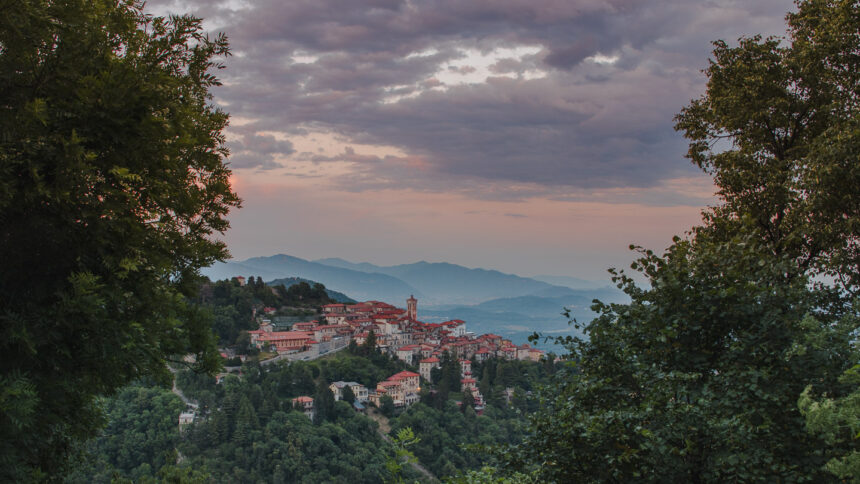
396, 331
402, 387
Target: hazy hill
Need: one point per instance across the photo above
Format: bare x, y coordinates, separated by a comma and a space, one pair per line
572, 282
445, 283
512, 325
357, 284
552, 304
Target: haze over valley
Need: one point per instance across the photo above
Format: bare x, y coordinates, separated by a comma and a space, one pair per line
489, 301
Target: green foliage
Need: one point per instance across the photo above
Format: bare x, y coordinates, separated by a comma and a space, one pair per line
386, 405
323, 402
450, 375
402, 440
313, 288
112, 183
170, 474
286, 446
18, 401
305, 294
468, 402
232, 309
347, 395
290, 448
697, 379
370, 353
369, 345
451, 442
790, 114
247, 430
490, 475
837, 421
233, 305
140, 438
246, 421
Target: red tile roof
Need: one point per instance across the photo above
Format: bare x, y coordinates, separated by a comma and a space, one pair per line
402, 375
284, 335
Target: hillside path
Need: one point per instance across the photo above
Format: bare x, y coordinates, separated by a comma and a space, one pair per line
178, 392
384, 429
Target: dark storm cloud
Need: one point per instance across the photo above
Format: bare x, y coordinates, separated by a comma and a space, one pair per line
369, 70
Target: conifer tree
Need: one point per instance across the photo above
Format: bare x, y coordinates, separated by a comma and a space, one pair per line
246, 421
323, 402
348, 395
369, 345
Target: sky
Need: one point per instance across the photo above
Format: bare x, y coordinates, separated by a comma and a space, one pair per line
528, 136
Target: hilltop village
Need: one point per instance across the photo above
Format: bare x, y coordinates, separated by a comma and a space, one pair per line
394, 331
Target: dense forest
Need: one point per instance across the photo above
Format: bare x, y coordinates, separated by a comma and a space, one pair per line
453, 437
248, 430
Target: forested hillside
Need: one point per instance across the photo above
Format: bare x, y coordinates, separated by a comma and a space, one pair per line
248, 431
234, 305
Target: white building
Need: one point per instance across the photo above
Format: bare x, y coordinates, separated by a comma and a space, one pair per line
359, 390
426, 365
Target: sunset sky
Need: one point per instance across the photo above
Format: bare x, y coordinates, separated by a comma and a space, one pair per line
529, 136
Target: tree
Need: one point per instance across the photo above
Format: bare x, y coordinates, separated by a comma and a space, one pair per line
698, 378
141, 430
348, 395
778, 129
838, 422
489, 475
112, 181
246, 421
386, 405
468, 401
369, 345
323, 402
404, 439
484, 386
449, 379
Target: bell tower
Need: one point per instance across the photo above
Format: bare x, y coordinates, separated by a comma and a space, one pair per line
412, 308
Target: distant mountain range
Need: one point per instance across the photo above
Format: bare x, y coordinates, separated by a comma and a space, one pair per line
518, 317
488, 300
356, 284
444, 283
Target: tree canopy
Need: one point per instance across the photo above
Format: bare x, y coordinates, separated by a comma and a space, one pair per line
778, 129
698, 378
112, 183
